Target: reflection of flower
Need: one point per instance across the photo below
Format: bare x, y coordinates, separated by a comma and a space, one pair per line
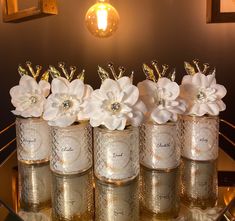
29, 97
116, 104
202, 94
161, 99
67, 102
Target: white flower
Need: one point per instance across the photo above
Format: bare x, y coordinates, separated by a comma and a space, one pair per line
161, 99
116, 104
67, 102
202, 94
29, 97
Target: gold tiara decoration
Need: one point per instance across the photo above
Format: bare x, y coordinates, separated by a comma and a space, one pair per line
34, 73
161, 72
191, 70
52, 72
69, 75
103, 74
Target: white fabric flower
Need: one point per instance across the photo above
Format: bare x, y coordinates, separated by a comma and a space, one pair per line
161, 99
202, 94
29, 97
67, 102
116, 104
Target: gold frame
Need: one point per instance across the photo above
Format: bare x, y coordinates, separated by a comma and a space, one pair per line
11, 12
214, 14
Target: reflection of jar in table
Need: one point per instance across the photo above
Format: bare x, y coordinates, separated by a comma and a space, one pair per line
34, 186
116, 154
199, 185
159, 193
72, 197
117, 202
43, 215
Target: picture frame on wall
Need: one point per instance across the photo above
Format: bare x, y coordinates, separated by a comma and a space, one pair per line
21, 10
220, 11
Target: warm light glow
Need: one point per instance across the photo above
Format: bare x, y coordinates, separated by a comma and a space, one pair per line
102, 19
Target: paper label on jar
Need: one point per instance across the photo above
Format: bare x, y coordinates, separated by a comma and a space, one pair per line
160, 150
118, 153
33, 140
200, 141
71, 152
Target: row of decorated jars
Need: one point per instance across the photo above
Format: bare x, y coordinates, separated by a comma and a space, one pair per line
116, 153
116, 111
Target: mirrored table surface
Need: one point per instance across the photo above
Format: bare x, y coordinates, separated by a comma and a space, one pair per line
193, 191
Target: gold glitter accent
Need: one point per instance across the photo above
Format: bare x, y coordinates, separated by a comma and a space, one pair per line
22, 71
34, 73
191, 70
46, 76
149, 72
69, 75
103, 74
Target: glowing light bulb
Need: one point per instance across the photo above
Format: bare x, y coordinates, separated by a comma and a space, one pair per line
102, 19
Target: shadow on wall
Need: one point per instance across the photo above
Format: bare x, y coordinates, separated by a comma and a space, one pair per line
170, 31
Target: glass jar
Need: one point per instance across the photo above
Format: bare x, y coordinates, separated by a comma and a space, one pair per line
34, 186
116, 154
159, 145
199, 185
33, 140
159, 193
199, 137
72, 197
117, 202
71, 149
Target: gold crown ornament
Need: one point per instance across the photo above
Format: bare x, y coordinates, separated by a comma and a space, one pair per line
160, 72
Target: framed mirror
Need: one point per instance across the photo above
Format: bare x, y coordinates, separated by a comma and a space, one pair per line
23, 10
220, 11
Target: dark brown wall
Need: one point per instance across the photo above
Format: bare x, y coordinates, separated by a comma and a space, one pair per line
170, 30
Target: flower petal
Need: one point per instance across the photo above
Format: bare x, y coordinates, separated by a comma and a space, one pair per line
221, 105
124, 82
110, 85
63, 121
200, 80
163, 82
59, 85
45, 87
131, 95
161, 116
76, 87
220, 91
111, 122
87, 91
28, 83
147, 87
